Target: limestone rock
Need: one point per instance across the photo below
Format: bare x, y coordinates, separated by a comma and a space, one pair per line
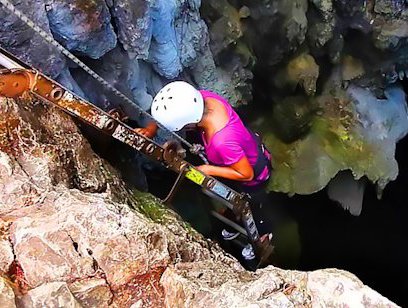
93, 292
348, 192
292, 118
236, 29
351, 130
178, 35
389, 33
352, 68
134, 23
394, 8
231, 83
18, 38
301, 70
270, 287
6, 256
335, 286
54, 294
227, 28
281, 26
7, 298
171, 37
66, 79
134, 78
82, 26
65, 160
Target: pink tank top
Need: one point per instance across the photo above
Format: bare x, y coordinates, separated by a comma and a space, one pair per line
231, 143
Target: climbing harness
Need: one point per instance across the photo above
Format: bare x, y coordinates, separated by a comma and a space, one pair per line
15, 81
47, 37
262, 161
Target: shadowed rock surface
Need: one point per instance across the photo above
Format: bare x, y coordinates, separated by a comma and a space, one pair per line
22, 42
67, 22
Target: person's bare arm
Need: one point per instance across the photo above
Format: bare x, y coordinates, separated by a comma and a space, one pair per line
149, 131
240, 171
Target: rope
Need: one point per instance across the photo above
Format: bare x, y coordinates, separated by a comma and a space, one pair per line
47, 37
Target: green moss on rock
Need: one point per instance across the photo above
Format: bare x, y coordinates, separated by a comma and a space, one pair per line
336, 141
152, 207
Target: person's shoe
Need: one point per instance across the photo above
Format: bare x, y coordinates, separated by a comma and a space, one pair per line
229, 236
248, 252
267, 236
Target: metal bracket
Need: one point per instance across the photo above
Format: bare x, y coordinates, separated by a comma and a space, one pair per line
173, 152
264, 250
262, 245
118, 114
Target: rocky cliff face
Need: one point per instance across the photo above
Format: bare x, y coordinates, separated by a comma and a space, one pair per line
170, 37
303, 54
72, 235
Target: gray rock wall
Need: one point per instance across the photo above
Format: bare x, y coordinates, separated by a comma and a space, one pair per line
170, 37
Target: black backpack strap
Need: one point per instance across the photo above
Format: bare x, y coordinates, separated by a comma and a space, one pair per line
262, 161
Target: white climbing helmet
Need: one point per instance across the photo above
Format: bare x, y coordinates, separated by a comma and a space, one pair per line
177, 105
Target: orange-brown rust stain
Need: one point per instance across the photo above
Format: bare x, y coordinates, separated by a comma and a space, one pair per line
44, 90
13, 85
90, 9
86, 6
145, 288
16, 84
13, 127
17, 278
9, 134
85, 111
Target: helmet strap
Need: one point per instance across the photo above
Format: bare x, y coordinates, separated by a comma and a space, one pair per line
190, 127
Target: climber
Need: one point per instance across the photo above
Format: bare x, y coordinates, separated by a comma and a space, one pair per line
234, 152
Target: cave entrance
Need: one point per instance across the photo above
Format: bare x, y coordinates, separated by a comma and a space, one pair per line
372, 245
